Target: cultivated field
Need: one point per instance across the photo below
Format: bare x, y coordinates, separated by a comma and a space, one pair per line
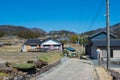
10, 49
13, 54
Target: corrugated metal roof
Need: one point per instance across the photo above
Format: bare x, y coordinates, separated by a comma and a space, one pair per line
113, 42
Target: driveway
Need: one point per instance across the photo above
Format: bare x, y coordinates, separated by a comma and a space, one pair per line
72, 69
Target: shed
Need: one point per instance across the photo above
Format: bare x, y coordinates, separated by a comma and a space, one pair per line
114, 48
99, 40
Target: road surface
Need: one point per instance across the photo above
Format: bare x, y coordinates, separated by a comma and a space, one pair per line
72, 69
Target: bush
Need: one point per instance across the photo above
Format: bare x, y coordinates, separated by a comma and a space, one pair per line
24, 66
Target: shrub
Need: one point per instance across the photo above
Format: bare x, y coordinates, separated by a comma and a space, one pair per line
24, 66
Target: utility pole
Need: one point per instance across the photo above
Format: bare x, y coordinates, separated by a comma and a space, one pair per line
108, 32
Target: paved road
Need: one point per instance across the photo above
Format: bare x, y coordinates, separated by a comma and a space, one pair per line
72, 69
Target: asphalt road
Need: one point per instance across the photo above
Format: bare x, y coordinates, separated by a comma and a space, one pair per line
72, 69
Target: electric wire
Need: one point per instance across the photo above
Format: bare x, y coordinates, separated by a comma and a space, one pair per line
97, 14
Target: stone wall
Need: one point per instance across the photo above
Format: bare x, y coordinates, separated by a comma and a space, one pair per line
115, 74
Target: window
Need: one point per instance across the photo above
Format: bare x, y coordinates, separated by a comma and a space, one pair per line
33, 47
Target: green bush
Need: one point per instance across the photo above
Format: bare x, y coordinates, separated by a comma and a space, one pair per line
24, 66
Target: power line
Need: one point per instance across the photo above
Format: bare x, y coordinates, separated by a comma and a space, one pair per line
97, 14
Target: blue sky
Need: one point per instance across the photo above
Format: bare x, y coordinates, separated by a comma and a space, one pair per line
72, 15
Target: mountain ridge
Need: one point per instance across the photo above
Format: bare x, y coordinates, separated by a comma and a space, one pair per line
13, 30
114, 29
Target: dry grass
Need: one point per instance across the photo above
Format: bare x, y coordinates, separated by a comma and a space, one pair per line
3, 74
50, 58
24, 57
11, 49
103, 75
13, 54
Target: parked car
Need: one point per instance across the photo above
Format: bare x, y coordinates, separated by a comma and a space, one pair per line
70, 52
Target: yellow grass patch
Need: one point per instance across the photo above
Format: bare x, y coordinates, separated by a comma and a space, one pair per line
103, 75
24, 57
3, 74
15, 48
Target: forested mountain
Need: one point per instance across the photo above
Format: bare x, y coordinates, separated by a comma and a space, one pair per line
24, 32
114, 29
21, 31
11, 29
61, 32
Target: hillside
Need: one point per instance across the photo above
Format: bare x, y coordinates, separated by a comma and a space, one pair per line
13, 30
38, 30
61, 32
115, 29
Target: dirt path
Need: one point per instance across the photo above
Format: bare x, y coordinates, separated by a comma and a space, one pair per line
72, 69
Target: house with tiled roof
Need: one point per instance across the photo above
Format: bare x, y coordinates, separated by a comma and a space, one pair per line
98, 40
37, 44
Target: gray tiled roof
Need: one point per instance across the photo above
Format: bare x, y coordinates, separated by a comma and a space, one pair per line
52, 40
113, 42
32, 42
94, 35
38, 41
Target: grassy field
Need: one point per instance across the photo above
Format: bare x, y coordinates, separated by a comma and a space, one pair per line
10, 49
51, 57
24, 57
13, 54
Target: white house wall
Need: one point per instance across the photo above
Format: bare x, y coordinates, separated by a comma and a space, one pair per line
116, 53
50, 42
24, 48
52, 45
